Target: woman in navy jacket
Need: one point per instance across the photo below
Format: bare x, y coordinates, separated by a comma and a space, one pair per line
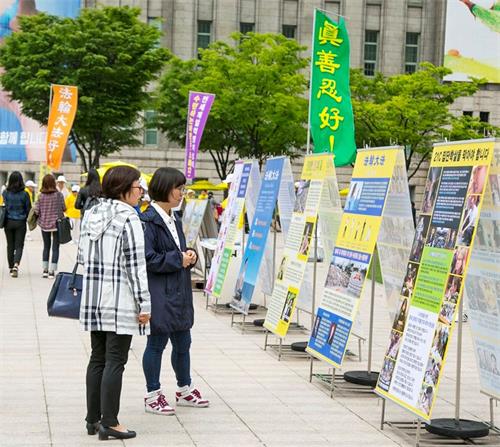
168, 263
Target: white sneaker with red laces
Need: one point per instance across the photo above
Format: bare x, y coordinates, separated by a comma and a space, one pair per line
156, 403
190, 397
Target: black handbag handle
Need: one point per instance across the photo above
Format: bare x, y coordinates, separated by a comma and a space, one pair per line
71, 285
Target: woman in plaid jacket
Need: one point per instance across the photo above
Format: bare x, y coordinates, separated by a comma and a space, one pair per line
115, 302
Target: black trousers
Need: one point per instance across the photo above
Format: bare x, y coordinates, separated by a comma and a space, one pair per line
48, 237
104, 376
15, 232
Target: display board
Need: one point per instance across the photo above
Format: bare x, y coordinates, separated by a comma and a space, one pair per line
482, 288
435, 274
259, 231
396, 234
352, 254
246, 178
192, 217
317, 178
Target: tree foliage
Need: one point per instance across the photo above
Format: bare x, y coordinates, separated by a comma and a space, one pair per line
411, 110
259, 108
108, 53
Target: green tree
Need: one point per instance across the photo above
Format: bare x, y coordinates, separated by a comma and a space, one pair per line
108, 53
411, 110
259, 108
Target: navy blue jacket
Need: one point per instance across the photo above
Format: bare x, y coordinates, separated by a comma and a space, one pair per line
17, 205
169, 282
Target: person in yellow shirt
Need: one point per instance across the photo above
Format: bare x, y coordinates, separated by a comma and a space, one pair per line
203, 195
30, 189
73, 213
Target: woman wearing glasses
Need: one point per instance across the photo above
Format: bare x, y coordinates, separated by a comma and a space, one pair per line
168, 263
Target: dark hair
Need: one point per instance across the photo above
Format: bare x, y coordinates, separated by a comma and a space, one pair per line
48, 184
163, 182
16, 183
93, 183
117, 182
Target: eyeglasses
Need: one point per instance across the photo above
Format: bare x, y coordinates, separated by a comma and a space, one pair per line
139, 187
181, 189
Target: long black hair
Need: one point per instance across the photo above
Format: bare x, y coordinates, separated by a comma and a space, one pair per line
93, 183
16, 182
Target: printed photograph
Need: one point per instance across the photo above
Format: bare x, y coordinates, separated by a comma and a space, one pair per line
281, 269
447, 312
488, 361
440, 341
452, 291
286, 313
301, 197
317, 323
431, 374
483, 295
494, 181
331, 333
488, 235
394, 344
385, 376
346, 276
441, 237
419, 239
430, 191
354, 196
305, 244
401, 314
241, 279
426, 397
469, 222
477, 179
409, 280
459, 260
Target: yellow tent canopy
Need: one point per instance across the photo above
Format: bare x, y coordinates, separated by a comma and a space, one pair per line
106, 166
200, 185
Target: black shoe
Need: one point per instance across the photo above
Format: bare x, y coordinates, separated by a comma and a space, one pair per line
106, 432
92, 429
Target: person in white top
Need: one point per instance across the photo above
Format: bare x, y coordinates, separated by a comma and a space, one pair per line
61, 186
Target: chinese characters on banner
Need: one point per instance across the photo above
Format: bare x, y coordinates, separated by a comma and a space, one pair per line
482, 288
353, 252
246, 178
330, 109
198, 109
61, 117
318, 189
435, 275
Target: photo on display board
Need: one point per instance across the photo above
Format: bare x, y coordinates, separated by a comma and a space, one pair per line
477, 179
483, 294
447, 312
494, 182
488, 235
306, 239
488, 360
409, 280
352, 200
452, 290
346, 276
281, 269
394, 344
431, 374
286, 313
430, 191
441, 237
469, 222
315, 330
459, 260
440, 341
241, 280
385, 377
301, 196
426, 397
401, 314
331, 333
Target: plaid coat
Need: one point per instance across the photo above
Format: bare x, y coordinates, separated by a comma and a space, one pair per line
115, 285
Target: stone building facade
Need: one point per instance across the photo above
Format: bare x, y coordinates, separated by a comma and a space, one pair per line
391, 36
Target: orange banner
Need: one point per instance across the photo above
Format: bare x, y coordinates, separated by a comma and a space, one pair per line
61, 117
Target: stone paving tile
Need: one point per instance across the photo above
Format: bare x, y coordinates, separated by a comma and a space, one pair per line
256, 400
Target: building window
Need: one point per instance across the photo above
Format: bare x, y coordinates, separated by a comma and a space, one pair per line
467, 113
246, 27
411, 52
204, 33
150, 130
289, 31
157, 23
484, 117
371, 50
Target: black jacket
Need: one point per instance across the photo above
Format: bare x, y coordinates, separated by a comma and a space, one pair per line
169, 282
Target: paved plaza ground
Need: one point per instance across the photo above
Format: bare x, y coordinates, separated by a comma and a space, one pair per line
256, 400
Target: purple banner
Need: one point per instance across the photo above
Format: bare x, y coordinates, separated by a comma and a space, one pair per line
198, 110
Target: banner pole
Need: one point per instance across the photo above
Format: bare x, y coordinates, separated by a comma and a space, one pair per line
372, 308
315, 272
459, 360
308, 142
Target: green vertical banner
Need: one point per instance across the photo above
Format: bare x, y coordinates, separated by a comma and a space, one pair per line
330, 110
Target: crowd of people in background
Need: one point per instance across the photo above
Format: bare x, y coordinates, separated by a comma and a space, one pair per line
136, 278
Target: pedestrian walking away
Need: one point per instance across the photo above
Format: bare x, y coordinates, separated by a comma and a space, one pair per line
89, 195
17, 206
115, 298
49, 207
168, 263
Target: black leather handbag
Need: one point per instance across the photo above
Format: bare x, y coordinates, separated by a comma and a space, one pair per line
66, 295
64, 230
